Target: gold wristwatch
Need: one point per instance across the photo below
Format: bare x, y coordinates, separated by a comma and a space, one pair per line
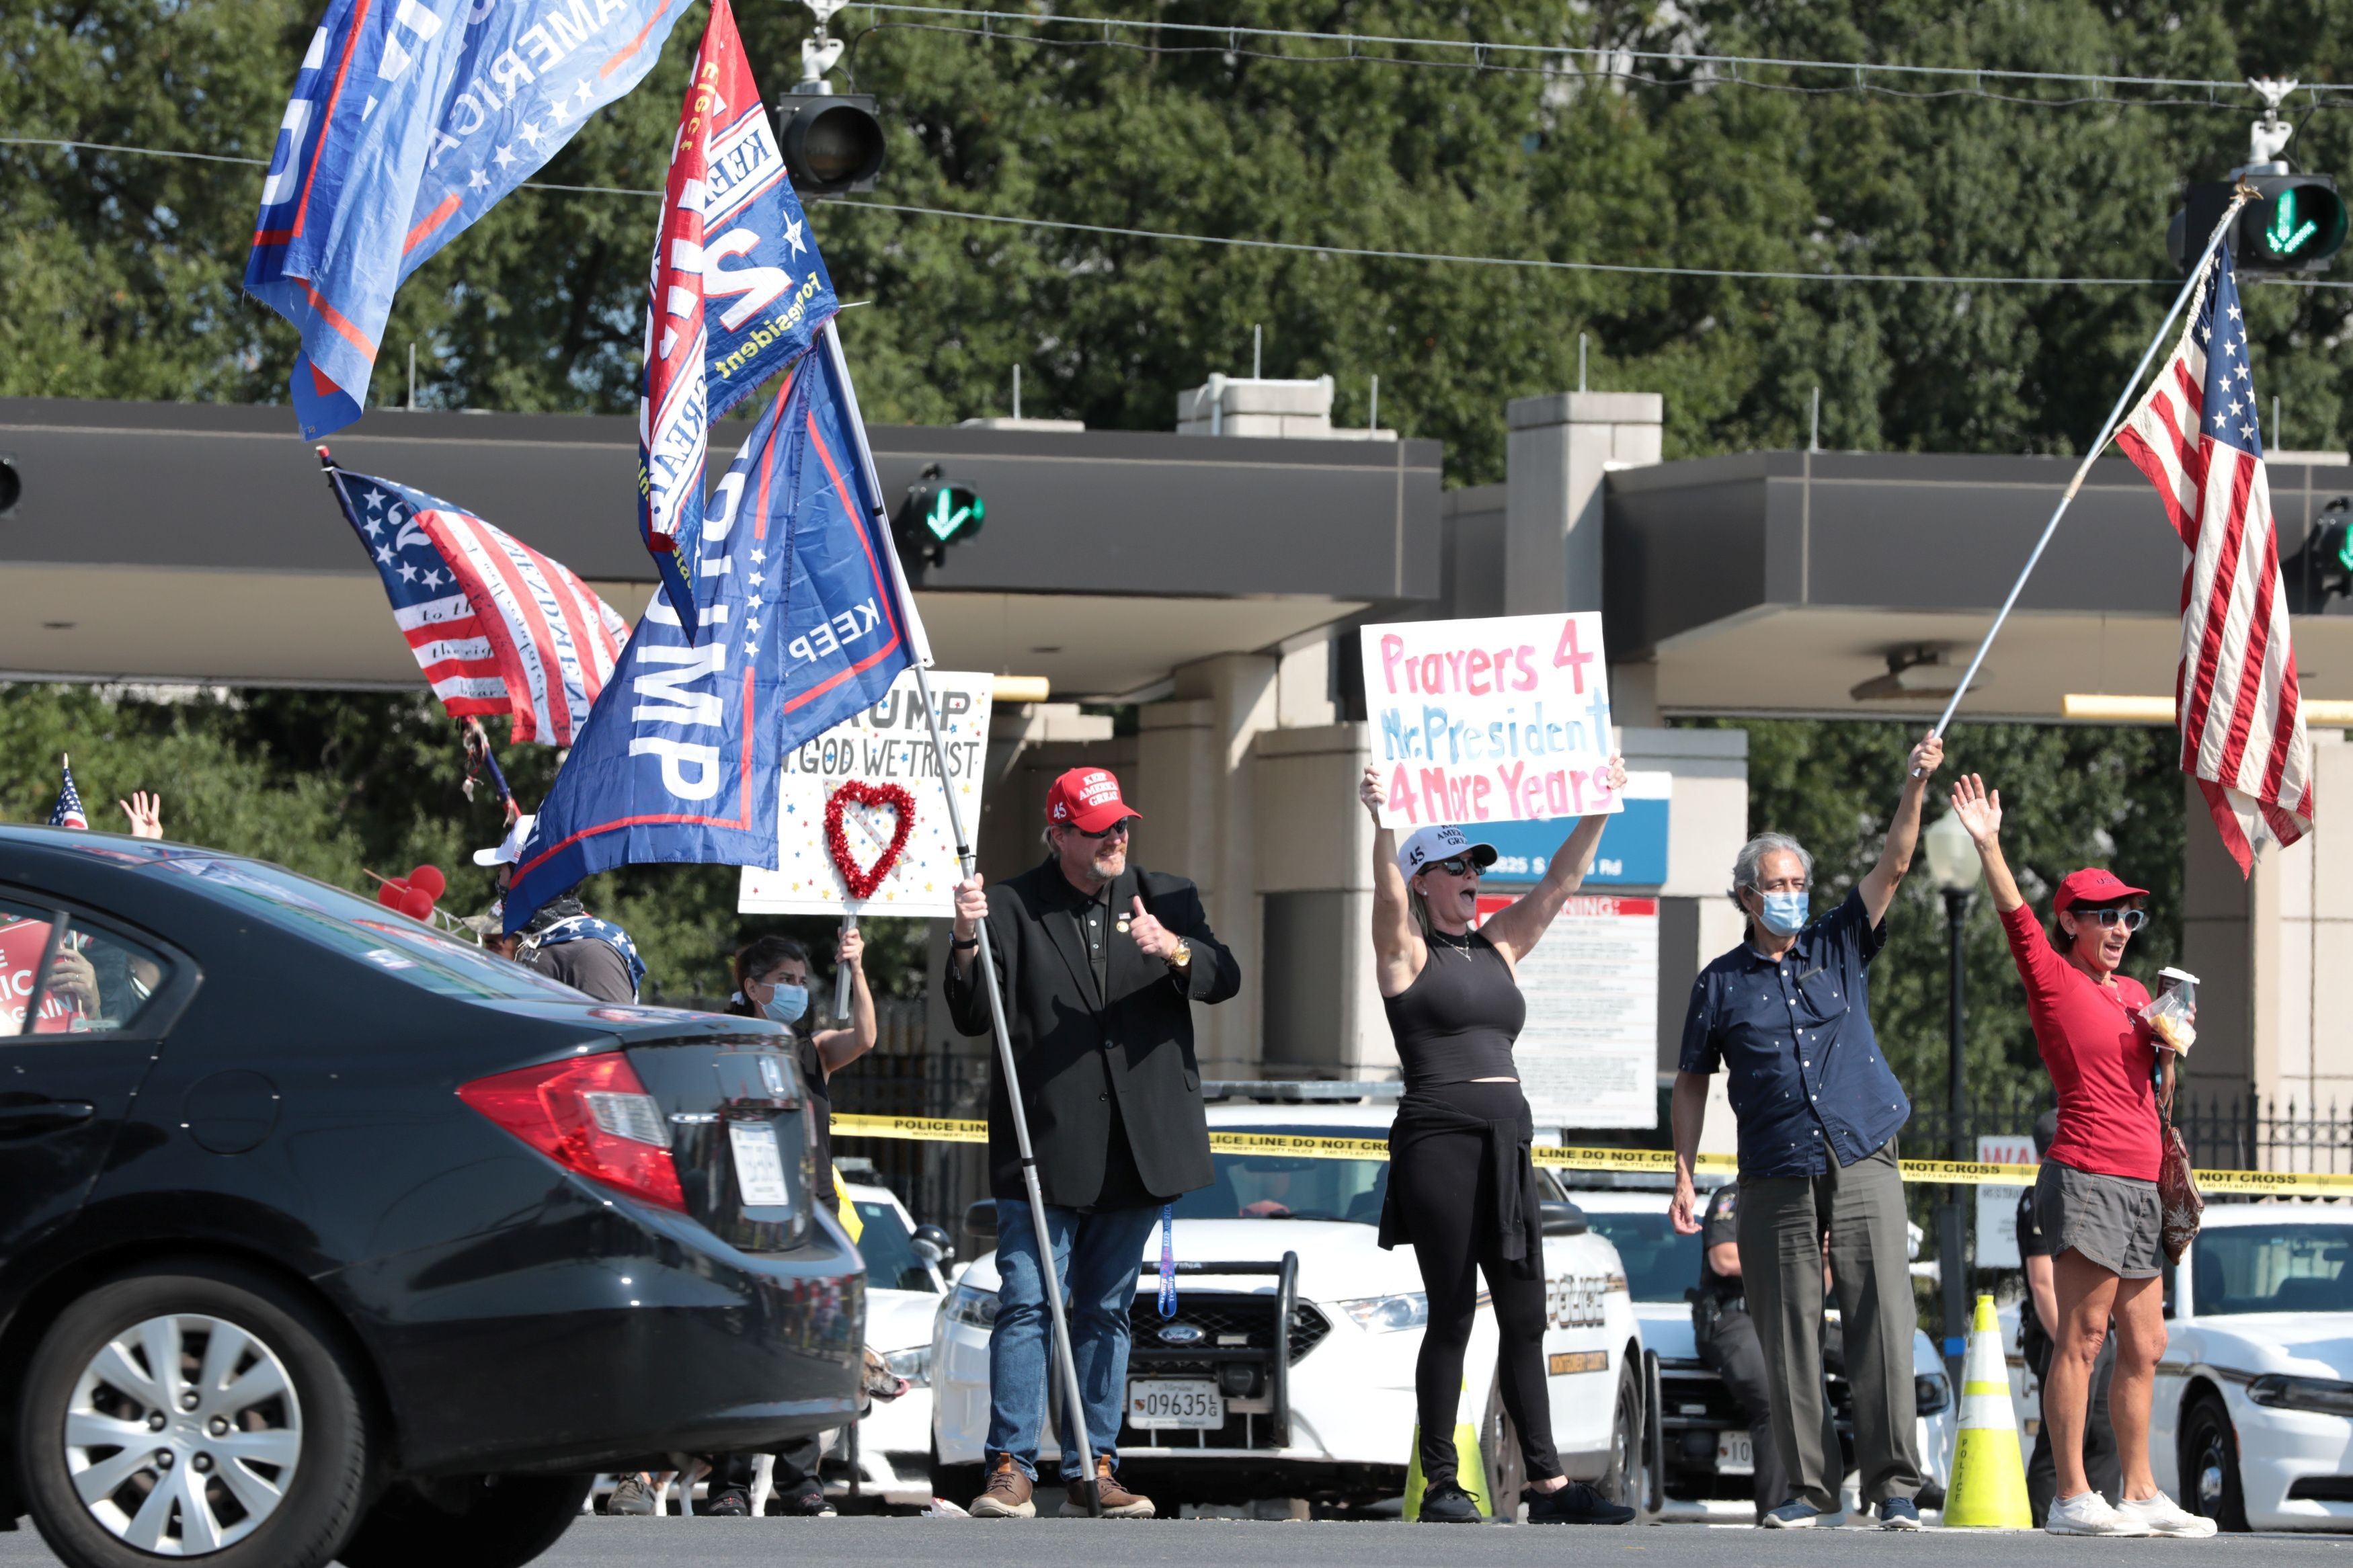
1182, 959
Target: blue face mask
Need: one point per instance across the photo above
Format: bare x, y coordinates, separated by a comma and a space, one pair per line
1785, 913
787, 1004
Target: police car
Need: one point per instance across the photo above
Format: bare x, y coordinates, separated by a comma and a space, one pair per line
1287, 1371
1702, 1446
888, 1450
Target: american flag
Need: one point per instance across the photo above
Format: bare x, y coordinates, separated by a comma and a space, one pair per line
2195, 436
67, 812
496, 626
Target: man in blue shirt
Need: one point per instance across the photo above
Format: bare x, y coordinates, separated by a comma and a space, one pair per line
1787, 1015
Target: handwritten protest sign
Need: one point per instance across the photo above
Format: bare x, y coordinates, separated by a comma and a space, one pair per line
1499, 719
877, 753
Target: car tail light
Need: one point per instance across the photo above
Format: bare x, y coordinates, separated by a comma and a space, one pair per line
591, 1114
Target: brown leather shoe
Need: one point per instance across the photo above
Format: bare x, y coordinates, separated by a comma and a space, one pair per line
1118, 1502
1009, 1492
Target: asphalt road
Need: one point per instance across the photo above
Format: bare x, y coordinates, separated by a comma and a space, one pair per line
1224, 1543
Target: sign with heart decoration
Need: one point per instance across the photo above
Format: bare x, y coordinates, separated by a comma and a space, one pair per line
861, 881
831, 839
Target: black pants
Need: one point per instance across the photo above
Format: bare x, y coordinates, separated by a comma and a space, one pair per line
796, 1468
1449, 1207
2102, 1465
1728, 1346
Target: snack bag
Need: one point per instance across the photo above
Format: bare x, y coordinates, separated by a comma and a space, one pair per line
2168, 1013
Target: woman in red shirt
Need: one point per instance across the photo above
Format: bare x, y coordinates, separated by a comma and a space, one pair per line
2095, 1196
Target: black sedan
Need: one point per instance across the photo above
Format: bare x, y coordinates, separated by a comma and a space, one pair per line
324, 1235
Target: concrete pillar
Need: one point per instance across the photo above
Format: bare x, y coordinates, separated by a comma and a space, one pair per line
1558, 448
1320, 1004
1195, 789
2265, 949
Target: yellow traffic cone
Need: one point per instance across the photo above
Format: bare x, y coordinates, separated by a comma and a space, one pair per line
1988, 1490
1470, 1471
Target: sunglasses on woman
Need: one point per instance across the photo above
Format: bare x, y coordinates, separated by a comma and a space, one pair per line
1460, 866
2133, 918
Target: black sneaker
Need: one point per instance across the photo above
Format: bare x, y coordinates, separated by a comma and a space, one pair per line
1575, 1503
1447, 1503
730, 1503
806, 1501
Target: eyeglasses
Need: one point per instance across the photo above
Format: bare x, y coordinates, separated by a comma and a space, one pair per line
1460, 866
1118, 827
2133, 918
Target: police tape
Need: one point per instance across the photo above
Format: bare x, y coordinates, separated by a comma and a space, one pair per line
1657, 1161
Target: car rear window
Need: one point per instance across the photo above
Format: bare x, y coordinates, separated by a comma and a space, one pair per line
96, 981
367, 931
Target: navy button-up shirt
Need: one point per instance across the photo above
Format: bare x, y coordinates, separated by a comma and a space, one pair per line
1808, 1082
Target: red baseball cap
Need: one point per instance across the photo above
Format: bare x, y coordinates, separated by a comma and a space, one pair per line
2092, 886
1088, 798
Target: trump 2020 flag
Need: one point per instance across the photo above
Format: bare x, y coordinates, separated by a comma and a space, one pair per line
2195, 436
409, 120
737, 293
680, 758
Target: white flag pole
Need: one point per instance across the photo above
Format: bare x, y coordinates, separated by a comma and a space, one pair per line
2195, 281
984, 960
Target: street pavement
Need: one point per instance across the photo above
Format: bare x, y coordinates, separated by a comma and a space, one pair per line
872, 1542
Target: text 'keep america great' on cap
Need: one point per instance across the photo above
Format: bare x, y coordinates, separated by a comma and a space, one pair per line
1089, 799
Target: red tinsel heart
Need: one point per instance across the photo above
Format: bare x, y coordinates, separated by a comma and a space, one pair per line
857, 792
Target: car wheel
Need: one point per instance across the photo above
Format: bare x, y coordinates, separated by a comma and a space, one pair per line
1498, 1454
1622, 1482
192, 1410
2209, 1464
467, 1521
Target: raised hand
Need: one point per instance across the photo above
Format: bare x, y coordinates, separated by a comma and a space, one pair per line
851, 950
1616, 773
146, 814
1369, 791
1978, 808
1925, 756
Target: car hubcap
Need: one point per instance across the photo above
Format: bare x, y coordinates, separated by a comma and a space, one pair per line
2210, 1478
183, 1435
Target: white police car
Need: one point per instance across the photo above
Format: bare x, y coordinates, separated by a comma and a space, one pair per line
888, 1449
1705, 1465
2251, 1421
1287, 1368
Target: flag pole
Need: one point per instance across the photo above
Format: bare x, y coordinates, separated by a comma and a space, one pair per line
985, 961
2091, 454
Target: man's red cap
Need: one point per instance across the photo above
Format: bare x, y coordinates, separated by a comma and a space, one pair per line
2092, 886
1089, 798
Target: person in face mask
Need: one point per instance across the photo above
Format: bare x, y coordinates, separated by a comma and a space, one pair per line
1786, 1013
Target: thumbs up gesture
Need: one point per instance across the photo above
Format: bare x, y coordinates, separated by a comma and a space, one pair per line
1152, 939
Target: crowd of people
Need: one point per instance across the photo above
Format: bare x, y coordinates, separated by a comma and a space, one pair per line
1097, 964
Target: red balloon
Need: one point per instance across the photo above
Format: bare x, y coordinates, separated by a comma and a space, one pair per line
393, 895
429, 878
417, 905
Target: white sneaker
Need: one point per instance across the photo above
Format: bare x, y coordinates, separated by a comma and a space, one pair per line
2165, 1517
2088, 1513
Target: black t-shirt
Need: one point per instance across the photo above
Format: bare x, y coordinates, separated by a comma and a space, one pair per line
1719, 1226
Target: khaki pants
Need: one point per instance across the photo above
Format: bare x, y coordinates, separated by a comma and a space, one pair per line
1781, 1221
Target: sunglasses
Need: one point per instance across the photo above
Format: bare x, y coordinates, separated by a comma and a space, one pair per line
1119, 828
2133, 918
1460, 866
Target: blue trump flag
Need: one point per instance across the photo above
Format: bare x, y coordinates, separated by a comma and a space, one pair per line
811, 623
409, 120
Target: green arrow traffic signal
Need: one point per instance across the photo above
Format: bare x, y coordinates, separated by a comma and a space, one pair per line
953, 507
2284, 237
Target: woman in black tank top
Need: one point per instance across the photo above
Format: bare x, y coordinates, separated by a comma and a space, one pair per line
1463, 1187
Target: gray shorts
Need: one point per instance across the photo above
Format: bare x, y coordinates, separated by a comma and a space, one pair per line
2114, 1221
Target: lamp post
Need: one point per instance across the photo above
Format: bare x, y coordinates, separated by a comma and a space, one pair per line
1953, 867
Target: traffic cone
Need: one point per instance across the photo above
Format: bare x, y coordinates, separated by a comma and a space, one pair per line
1988, 1490
1470, 1471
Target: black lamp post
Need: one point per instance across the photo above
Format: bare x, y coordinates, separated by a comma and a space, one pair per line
1953, 866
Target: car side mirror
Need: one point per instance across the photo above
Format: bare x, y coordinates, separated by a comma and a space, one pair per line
1562, 1218
980, 1224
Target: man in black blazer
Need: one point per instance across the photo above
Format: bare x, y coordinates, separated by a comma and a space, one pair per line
1100, 964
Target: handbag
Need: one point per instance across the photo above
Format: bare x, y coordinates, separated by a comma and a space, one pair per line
2178, 1197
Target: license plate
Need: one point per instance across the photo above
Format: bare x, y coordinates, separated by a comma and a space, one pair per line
759, 1166
1734, 1455
1188, 1404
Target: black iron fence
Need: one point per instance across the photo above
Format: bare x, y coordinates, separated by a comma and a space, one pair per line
2223, 1133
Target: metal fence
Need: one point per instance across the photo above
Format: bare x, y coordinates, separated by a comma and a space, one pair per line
908, 1076
2226, 1133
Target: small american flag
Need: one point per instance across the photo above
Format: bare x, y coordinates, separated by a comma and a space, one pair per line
2196, 437
67, 812
496, 626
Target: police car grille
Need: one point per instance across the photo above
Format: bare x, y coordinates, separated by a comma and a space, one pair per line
1226, 1323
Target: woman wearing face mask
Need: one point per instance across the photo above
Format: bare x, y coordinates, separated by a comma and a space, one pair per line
1461, 1187
2096, 1198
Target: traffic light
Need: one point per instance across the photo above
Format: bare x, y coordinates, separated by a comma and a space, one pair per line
2296, 224
831, 141
937, 512
2323, 569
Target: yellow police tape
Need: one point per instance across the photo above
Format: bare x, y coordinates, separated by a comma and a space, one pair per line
1305, 1146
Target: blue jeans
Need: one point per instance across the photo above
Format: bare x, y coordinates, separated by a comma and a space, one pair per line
1097, 1258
